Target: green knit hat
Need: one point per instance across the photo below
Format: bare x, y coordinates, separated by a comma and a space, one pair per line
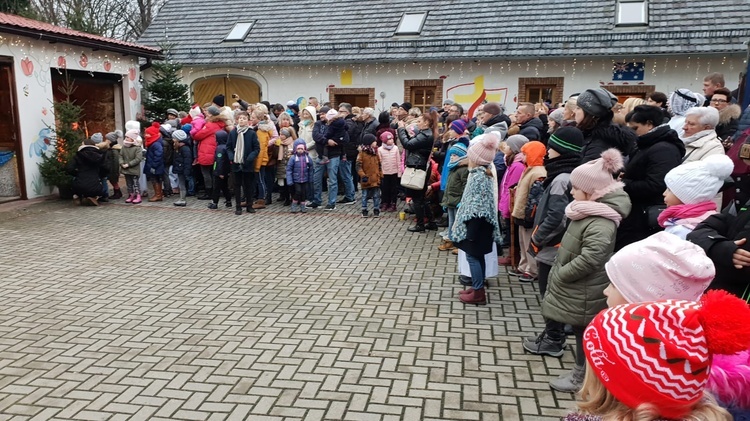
566, 140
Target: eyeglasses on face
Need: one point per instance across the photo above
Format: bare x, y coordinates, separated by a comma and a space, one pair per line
719, 101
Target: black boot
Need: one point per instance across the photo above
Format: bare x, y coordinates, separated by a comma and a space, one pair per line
416, 228
116, 195
206, 195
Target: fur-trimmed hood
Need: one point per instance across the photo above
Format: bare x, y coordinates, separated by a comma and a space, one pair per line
733, 111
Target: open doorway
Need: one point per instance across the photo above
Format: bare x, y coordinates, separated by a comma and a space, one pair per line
12, 184
358, 97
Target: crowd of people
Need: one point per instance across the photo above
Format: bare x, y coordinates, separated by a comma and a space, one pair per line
625, 214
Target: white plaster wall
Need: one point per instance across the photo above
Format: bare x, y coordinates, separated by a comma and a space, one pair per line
283, 83
34, 61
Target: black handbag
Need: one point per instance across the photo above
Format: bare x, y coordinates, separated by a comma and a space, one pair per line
652, 215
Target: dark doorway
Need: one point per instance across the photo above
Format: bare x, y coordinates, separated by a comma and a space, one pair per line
98, 94
361, 101
12, 181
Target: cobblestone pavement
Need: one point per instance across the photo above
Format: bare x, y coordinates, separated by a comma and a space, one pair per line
155, 312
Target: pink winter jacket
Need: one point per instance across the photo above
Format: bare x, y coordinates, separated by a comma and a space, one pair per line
390, 161
511, 177
197, 123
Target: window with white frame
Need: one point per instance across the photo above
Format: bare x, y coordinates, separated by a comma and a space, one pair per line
632, 13
239, 31
411, 23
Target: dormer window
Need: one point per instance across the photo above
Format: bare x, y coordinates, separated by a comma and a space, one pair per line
239, 31
411, 23
632, 13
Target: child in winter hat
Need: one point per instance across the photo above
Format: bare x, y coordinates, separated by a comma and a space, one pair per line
652, 360
534, 153
476, 226
661, 267
299, 174
390, 161
578, 278
691, 189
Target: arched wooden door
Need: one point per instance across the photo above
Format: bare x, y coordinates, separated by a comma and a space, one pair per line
204, 90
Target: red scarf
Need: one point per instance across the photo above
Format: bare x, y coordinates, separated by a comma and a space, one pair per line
673, 213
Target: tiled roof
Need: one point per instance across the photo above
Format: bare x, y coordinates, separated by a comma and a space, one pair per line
41, 30
358, 31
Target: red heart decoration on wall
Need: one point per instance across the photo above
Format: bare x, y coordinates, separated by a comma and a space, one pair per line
61, 63
27, 66
133, 94
107, 66
84, 61
131, 73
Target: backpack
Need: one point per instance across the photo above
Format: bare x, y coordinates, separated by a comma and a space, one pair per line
535, 195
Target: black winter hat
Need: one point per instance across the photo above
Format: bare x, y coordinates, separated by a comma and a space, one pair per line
219, 100
566, 140
406, 106
368, 138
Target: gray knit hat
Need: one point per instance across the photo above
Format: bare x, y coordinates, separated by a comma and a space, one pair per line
179, 135
516, 141
596, 101
214, 110
97, 138
173, 112
114, 136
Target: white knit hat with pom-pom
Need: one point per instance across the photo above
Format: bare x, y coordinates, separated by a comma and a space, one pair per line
596, 177
699, 181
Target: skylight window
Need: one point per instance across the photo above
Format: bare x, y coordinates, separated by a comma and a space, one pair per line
411, 23
630, 13
239, 31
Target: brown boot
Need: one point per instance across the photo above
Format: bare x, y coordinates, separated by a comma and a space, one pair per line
447, 245
158, 196
259, 204
476, 296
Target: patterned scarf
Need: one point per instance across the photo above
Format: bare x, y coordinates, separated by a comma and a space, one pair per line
478, 202
239, 150
582, 209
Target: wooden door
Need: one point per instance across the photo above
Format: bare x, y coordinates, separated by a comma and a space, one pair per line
13, 184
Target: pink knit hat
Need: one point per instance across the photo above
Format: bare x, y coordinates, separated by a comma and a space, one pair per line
482, 149
661, 267
596, 177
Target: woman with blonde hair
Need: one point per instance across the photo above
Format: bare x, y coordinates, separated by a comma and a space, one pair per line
627, 106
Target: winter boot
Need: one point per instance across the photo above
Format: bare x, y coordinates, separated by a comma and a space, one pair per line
544, 345
295, 207
206, 195
466, 291
137, 199
416, 228
446, 245
259, 204
131, 197
157, 197
117, 195
569, 382
303, 207
476, 296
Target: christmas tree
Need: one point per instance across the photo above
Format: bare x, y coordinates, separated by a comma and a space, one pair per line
165, 91
67, 137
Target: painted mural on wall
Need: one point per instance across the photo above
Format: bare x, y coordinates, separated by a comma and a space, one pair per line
475, 93
34, 61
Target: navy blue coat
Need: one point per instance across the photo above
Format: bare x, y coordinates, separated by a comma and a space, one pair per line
183, 160
251, 150
154, 159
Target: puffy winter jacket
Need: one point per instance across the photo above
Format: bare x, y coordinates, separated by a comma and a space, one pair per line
418, 147
206, 140
131, 155
606, 136
183, 159
87, 168
154, 158
575, 293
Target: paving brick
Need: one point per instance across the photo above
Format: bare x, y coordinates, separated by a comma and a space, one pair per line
353, 319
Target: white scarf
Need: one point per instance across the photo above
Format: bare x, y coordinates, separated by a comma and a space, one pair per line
239, 150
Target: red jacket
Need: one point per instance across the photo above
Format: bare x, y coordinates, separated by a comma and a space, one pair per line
206, 138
